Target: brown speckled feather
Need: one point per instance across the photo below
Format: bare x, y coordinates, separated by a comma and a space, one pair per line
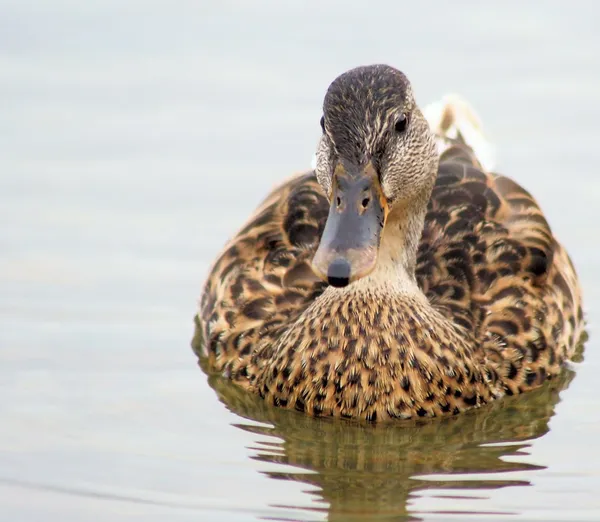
505, 306
263, 279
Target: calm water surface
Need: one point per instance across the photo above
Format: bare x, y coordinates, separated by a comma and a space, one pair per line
135, 137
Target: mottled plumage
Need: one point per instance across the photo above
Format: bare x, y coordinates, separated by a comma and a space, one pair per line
496, 308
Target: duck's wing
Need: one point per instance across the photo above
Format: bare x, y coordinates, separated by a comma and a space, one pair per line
263, 278
489, 262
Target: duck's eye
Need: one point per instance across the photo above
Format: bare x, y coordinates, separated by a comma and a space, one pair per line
401, 123
323, 123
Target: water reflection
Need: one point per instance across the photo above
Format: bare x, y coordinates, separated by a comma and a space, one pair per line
361, 472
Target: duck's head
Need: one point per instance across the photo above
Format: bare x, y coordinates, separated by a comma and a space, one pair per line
375, 158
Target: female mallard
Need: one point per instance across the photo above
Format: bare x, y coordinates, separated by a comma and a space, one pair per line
392, 281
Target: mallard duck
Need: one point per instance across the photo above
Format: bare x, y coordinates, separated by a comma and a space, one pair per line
398, 279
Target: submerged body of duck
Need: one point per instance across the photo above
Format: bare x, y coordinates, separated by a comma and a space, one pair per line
393, 281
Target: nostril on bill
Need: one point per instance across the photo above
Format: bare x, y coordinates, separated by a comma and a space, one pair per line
338, 274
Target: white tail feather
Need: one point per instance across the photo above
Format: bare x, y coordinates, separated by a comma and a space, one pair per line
452, 117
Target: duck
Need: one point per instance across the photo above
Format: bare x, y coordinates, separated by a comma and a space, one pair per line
400, 278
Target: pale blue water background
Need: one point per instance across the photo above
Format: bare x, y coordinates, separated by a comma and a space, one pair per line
135, 137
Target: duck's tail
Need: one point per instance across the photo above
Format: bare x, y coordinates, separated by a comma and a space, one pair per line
453, 119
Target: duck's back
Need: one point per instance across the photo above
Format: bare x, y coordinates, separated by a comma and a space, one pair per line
487, 260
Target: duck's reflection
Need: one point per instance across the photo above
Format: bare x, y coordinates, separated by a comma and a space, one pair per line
363, 472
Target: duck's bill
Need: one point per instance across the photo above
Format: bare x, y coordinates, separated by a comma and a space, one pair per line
350, 242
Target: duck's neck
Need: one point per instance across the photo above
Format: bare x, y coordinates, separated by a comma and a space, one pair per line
395, 269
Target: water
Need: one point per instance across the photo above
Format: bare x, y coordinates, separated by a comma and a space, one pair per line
135, 137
